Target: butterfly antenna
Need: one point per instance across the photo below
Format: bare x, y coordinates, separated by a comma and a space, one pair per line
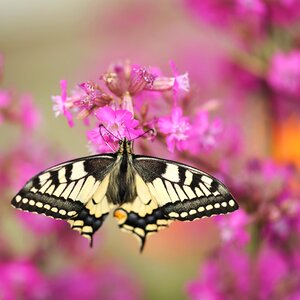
106, 143
128, 133
152, 130
102, 126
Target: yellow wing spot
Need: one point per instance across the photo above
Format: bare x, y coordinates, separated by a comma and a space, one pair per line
18, 198
151, 227
87, 229
139, 231
39, 204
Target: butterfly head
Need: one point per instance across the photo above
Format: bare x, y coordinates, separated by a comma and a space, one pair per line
125, 146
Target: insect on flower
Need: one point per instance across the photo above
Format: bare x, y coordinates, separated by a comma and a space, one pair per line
146, 193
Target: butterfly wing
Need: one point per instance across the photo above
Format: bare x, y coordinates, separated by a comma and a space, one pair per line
143, 216
74, 191
169, 191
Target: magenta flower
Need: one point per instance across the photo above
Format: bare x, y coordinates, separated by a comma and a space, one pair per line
284, 72
107, 283
176, 127
205, 133
117, 124
225, 276
233, 227
233, 274
21, 280
29, 114
219, 12
5, 100
60, 105
99, 142
284, 12
1, 65
38, 224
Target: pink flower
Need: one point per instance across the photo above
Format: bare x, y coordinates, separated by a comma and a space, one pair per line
99, 143
224, 276
1, 65
117, 124
284, 12
232, 274
220, 12
257, 7
176, 127
179, 82
88, 98
86, 284
29, 114
205, 133
284, 72
39, 224
60, 104
5, 100
21, 280
233, 227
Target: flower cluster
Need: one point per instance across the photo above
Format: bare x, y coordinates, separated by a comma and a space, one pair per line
120, 108
257, 257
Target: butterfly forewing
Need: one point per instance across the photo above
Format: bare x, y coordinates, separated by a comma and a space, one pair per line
183, 192
74, 191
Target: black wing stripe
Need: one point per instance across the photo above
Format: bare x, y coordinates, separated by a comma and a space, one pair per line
189, 210
50, 206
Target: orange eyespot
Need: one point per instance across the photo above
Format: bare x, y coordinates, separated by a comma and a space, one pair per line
120, 215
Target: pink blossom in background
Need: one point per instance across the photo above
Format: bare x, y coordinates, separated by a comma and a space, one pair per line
284, 72
30, 116
233, 228
38, 224
230, 14
282, 219
60, 104
224, 276
232, 274
176, 127
256, 174
242, 79
205, 133
284, 12
257, 7
5, 100
22, 280
1, 65
107, 283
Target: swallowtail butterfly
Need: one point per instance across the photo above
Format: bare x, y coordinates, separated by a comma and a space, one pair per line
146, 193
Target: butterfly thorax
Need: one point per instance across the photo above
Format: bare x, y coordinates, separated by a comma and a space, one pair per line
122, 188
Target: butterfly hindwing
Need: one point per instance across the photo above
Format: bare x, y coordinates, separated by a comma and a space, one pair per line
183, 192
143, 216
74, 191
